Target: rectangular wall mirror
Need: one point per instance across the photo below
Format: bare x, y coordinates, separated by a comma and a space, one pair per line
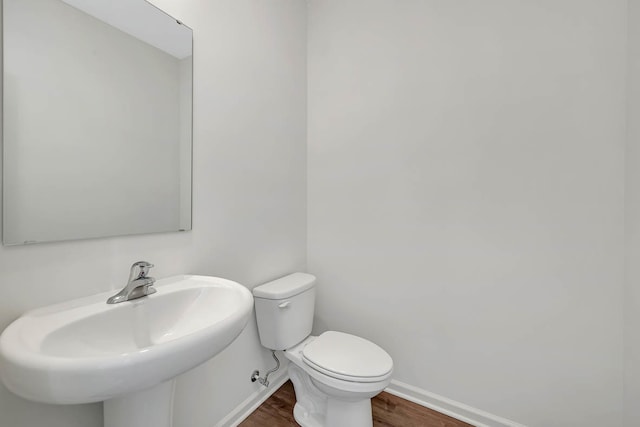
97, 100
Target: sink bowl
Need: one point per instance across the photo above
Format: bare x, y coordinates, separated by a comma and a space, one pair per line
89, 351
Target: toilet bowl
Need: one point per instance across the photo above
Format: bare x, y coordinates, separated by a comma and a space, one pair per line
335, 374
331, 390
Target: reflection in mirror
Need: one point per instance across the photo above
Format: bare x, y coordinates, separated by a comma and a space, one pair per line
97, 120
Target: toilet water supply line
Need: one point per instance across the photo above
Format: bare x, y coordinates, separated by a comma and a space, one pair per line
255, 376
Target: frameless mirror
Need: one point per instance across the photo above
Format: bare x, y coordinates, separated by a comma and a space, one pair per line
96, 120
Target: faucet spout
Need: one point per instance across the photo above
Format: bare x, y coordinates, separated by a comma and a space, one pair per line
139, 284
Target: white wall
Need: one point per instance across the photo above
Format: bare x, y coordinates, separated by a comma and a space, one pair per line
84, 117
249, 202
632, 295
466, 179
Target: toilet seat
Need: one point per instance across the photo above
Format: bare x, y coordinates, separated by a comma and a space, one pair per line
347, 357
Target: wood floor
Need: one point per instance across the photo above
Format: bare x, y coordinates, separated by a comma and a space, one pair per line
388, 411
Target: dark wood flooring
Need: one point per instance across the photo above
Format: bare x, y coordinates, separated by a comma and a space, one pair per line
388, 411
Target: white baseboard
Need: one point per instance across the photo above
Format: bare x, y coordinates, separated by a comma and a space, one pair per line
457, 410
252, 402
449, 407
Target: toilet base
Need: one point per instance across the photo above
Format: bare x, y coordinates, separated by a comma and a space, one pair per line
306, 419
315, 408
339, 414
342, 413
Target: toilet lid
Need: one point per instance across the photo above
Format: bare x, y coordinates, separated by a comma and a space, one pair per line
347, 357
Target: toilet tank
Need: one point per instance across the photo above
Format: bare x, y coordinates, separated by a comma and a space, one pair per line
284, 310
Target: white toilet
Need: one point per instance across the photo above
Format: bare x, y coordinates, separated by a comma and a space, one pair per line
335, 375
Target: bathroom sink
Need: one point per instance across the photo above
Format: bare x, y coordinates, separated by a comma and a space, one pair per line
88, 351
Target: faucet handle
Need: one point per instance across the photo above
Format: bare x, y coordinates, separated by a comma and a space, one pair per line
143, 267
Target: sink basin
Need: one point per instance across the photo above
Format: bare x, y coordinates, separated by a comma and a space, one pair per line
88, 351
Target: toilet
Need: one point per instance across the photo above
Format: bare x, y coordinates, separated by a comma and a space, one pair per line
335, 374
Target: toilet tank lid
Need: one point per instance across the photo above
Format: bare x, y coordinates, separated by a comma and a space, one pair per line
285, 287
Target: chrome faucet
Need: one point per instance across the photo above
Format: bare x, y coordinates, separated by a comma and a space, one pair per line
139, 284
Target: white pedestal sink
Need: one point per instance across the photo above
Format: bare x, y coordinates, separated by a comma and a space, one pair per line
125, 354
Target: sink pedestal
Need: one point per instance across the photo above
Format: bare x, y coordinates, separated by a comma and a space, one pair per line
150, 407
